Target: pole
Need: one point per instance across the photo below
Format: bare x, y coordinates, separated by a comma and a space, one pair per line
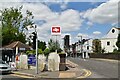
56, 44
76, 49
82, 47
36, 52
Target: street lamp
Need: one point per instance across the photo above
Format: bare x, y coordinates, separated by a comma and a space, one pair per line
81, 44
36, 47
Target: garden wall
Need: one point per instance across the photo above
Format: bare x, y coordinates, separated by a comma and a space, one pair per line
115, 56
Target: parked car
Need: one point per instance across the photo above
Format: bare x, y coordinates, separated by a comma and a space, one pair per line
4, 67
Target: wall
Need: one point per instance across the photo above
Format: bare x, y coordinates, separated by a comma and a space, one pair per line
106, 56
111, 36
111, 47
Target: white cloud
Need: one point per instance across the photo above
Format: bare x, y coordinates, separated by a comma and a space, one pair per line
96, 32
105, 13
63, 6
83, 35
11, 0
89, 23
69, 20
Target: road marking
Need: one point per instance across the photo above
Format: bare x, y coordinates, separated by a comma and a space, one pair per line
21, 76
87, 74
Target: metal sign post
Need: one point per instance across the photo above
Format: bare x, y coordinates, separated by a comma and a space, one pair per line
36, 54
55, 31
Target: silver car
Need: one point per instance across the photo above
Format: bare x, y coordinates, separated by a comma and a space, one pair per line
4, 67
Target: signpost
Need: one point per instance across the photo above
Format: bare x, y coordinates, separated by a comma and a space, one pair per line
56, 31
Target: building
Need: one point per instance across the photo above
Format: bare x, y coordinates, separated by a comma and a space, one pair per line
108, 42
10, 51
85, 47
67, 43
78, 48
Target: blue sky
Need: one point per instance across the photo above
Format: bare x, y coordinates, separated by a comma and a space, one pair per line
89, 19
85, 29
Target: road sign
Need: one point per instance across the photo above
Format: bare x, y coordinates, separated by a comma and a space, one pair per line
56, 30
31, 60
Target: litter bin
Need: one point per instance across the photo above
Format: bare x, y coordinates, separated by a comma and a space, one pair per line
62, 65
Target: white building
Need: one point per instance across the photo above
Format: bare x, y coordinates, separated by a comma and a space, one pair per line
109, 41
86, 47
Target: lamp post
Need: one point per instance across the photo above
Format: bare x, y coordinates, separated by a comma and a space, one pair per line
81, 45
36, 47
36, 51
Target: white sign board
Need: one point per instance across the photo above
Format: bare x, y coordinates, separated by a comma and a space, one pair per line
55, 30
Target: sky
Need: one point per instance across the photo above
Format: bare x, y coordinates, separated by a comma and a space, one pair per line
89, 18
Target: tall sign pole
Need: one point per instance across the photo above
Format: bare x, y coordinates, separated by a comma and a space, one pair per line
36, 50
55, 31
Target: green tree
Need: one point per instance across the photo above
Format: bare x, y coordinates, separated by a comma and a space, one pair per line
118, 42
46, 51
40, 51
13, 24
53, 45
41, 45
96, 46
30, 52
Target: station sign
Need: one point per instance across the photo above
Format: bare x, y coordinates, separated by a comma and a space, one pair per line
55, 30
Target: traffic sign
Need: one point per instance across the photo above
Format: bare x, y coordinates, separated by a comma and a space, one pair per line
56, 30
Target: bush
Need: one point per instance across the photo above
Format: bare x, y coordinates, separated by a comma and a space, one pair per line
40, 51
30, 52
115, 50
46, 51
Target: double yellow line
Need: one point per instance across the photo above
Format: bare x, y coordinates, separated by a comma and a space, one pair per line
22, 76
87, 74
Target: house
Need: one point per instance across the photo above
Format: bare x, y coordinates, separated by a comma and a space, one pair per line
77, 49
10, 51
108, 42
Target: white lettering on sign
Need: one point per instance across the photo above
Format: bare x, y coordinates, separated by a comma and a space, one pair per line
55, 30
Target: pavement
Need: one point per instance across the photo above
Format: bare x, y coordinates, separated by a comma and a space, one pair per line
74, 71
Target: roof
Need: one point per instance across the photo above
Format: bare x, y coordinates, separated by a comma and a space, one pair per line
105, 36
19, 44
117, 28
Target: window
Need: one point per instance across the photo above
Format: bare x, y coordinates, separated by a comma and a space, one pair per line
113, 30
108, 43
87, 47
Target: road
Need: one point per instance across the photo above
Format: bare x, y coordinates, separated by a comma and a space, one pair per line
98, 68
13, 77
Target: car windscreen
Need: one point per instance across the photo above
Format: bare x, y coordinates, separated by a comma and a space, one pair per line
2, 62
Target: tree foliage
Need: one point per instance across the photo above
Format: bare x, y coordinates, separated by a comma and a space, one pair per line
13, 24
46, 51
40, 51
41, 45
53, 45
96, 46
118, 42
